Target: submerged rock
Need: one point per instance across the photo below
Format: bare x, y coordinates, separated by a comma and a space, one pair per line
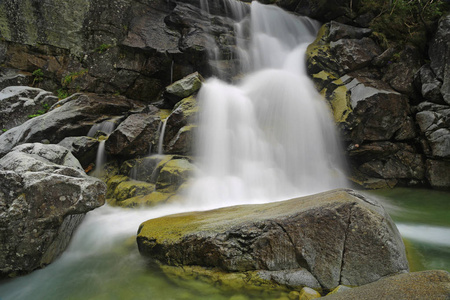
339, 237
44, 194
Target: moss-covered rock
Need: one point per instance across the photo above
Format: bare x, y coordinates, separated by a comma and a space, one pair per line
173, 174
340, 237
132, 188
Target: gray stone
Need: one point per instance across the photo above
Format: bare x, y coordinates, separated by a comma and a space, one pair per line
19, 103
44, 194
134, 136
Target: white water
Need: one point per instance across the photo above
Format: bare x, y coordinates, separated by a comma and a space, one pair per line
268, 138
106, 127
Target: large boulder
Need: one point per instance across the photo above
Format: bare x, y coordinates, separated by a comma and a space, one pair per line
73, 116
44, 194
339, 237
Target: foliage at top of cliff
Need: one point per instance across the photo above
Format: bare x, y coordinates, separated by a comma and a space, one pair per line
404, 21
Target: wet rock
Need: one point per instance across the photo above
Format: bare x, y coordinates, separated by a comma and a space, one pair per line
173, 174
73, 116
135, 136
82, 147
417, 285
44, 196
183, 88
180, 126
19, 103
340, 237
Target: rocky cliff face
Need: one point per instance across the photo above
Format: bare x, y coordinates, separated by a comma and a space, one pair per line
391, 107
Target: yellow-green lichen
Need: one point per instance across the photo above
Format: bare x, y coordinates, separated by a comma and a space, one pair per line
170, 229
340, 102
132, 188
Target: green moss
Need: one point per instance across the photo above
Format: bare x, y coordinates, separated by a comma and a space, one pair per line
172, 228
151, 199
131, 188
250, 282
112, 184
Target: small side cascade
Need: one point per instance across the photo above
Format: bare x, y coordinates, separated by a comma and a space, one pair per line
161, 136
101, 131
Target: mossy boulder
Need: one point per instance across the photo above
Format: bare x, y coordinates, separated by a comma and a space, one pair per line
132, 188
173, 174
183, 88
339, 237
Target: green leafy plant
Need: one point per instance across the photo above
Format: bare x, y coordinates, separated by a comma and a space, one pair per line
62, 93
4, 130
38, 76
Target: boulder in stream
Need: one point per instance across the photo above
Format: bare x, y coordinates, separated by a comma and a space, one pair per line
333, 238
44, 195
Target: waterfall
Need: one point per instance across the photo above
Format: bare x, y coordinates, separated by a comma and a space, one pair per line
271, 136
267, 138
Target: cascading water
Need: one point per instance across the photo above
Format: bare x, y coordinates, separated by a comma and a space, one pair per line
105, 127
271, 136
268, 138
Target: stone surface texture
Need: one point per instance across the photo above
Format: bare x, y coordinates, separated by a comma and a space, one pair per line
44, 194
339, 237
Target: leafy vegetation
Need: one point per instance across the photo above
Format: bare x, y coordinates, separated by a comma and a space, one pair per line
404, 21
67, 80
38, 76
4, 130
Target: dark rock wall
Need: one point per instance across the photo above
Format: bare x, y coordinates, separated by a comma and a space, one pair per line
392, 108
